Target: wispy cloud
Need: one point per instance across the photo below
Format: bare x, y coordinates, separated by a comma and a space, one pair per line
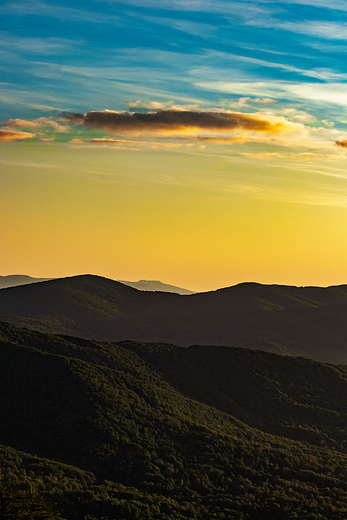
320, 29
202, 6
204, 30
26, 8
339, 5
150, 105
231, 140
51, 45
332, 93
255, 13
123, 142
329, 92
244, 102
317, 73
306, 155
35, 124
220, 6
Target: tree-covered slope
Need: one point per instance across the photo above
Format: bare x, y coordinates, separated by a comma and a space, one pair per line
108, 430
307, 321
288, 396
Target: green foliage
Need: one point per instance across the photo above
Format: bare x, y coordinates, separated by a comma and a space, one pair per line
157, 432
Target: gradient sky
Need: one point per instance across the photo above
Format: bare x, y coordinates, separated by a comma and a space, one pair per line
201, 143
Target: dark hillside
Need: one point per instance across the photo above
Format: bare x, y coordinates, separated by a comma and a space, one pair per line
102, 432
292, 397
88, 306
306, 321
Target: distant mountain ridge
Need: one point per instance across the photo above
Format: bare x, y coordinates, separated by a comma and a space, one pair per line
12, 280
156, 285
305, 321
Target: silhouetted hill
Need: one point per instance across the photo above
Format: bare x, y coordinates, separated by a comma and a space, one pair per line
153, 431
156, 285
13, 280
306, 321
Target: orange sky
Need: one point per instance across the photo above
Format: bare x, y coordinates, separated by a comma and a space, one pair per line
199, 219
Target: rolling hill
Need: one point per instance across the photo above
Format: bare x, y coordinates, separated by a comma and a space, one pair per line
305, 321
154, 431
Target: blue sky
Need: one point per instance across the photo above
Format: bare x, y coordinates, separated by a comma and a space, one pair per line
96, 55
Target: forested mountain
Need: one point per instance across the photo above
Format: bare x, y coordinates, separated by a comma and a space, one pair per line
154, 431
306, 321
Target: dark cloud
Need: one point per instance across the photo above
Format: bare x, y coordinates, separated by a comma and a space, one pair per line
342, 142
176, 121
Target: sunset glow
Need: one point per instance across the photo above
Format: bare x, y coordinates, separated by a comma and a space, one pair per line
200, 144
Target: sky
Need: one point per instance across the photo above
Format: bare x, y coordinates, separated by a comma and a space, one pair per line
201, 143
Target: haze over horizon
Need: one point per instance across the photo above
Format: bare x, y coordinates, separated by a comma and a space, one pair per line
202, 144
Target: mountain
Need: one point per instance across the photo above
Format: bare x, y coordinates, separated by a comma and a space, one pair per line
156, 285
304, 321
142, 285
13, 280
154, 431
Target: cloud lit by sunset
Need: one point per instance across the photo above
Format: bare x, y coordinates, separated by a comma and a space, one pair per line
177, 121
14, 135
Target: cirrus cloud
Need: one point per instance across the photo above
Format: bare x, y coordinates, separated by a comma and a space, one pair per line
121, 142
278, 155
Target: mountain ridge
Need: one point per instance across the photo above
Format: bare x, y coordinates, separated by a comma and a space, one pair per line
13, 280
156, 285
307, 321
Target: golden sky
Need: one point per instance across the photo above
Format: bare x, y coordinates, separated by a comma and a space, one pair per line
196, 218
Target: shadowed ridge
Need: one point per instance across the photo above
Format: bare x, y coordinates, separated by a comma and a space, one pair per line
307, 321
